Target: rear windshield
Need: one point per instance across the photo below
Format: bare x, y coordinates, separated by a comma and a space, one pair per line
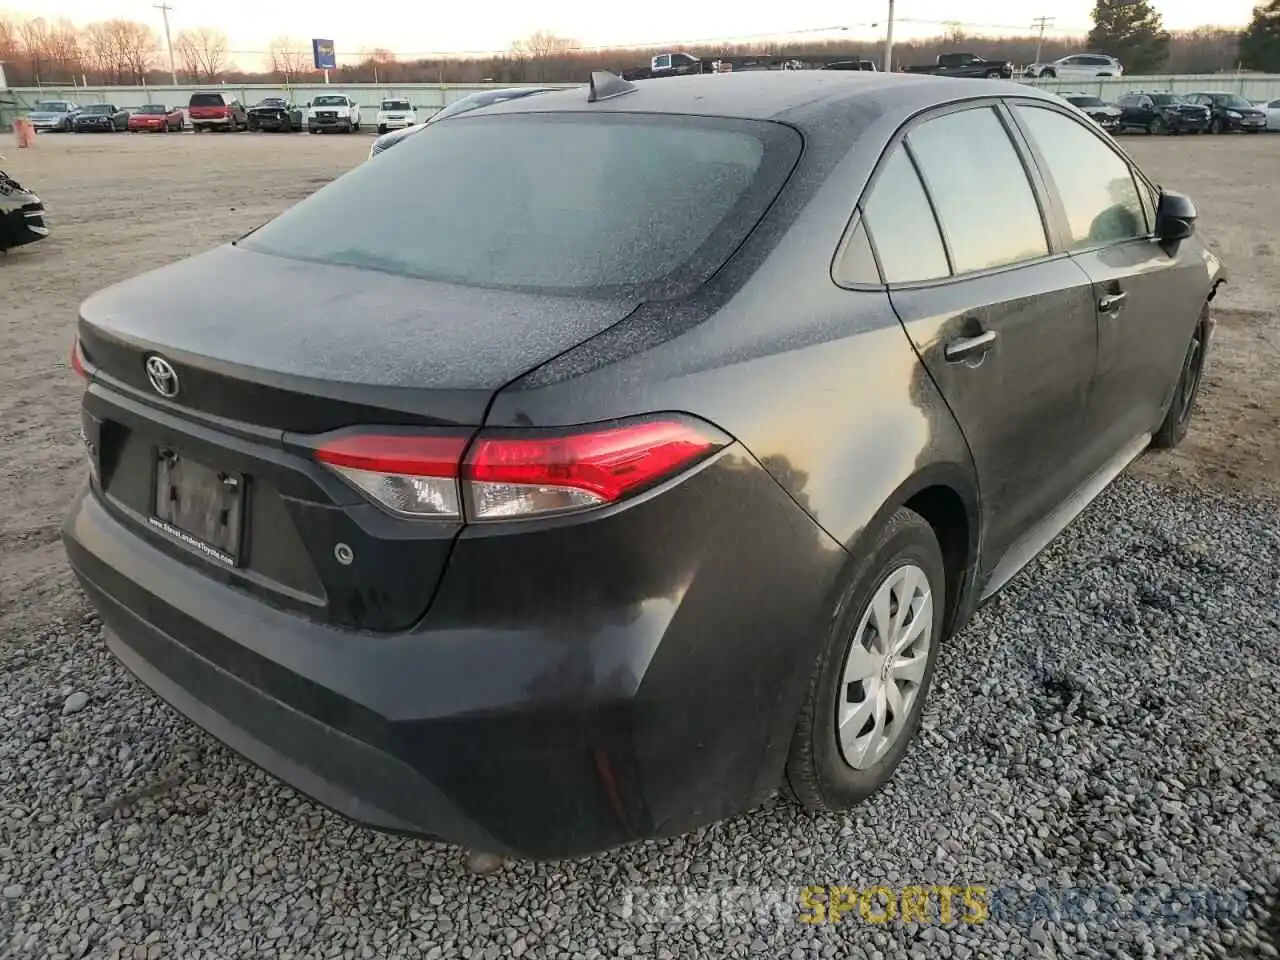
52, 106
329, 101
1086, 101
602, 205
98, 108
1165, 99
206, 100
152, 109
395, 104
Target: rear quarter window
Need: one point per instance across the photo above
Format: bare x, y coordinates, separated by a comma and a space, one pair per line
604, 204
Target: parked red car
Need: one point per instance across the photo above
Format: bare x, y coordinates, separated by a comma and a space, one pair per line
156, 118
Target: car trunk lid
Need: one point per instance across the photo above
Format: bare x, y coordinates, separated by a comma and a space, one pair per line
270, 355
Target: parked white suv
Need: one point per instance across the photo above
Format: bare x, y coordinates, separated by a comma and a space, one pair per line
395, 115
333, 111
1079, 66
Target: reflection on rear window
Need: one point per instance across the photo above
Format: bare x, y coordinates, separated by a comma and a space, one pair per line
395, 104
206, 100
565, 203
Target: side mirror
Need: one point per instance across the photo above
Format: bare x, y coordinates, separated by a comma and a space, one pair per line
1175, 217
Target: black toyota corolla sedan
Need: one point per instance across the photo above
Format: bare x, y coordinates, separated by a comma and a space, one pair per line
640, 467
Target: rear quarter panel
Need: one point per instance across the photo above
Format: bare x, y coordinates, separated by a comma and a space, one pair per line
819, 383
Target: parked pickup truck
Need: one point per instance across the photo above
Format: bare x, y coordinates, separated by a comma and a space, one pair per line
669, 65
331, 111
966, 65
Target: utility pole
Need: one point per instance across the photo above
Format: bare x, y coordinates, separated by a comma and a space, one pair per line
1041, 22
888, 41
164, 9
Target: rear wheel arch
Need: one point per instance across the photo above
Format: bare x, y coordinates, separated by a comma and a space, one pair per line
946, 496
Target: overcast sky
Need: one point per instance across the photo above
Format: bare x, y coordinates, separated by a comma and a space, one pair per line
419, 28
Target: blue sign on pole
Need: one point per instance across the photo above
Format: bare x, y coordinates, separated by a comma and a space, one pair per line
325, 57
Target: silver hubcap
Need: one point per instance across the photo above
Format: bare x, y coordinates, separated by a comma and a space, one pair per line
885, 666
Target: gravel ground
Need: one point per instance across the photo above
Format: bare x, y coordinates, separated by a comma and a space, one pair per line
1099, 755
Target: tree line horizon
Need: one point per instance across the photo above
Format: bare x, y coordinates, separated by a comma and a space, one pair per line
38, 52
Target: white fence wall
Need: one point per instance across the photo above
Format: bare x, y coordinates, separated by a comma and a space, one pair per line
427, 97
1253, 86
430, 97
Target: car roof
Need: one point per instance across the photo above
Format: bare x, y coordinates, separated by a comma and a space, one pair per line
804, 98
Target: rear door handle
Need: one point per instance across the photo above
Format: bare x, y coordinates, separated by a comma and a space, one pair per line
1111, 302
969, 348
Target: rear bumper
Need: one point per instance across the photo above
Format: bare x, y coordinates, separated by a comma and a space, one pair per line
572, 688
394, 124
50, 125
323, 122
212, 121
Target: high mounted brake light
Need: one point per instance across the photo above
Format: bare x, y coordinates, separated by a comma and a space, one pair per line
518, 474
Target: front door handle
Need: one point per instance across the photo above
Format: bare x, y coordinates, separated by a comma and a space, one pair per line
969, 348
1111, 302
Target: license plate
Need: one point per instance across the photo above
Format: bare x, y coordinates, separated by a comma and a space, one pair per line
198, 506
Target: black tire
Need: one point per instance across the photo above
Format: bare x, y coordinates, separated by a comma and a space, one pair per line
382, 128
817, 775
993, 74
1178, 419
1049, 74
1157, 127
1216, 125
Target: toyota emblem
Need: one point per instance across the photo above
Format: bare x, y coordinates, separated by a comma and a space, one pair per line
162, 376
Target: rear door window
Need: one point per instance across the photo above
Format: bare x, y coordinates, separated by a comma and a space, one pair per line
979, 187
900, 222
654, 205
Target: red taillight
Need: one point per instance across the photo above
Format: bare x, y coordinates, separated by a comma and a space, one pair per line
77, 359
522, 476
507, 475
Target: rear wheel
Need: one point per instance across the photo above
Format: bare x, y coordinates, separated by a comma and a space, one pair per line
1049, 74
382, 128
1216, 125
1156, 127
869, 685
1178, 419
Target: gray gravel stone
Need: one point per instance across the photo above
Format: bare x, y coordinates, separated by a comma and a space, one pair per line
1103, 729
75, 703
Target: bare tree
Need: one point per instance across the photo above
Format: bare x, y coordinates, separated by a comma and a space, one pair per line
289, 57
203, 52
52, 47
542, 47
123, 50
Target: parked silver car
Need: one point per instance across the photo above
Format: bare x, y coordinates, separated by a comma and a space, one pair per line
50, 115
1078, 66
